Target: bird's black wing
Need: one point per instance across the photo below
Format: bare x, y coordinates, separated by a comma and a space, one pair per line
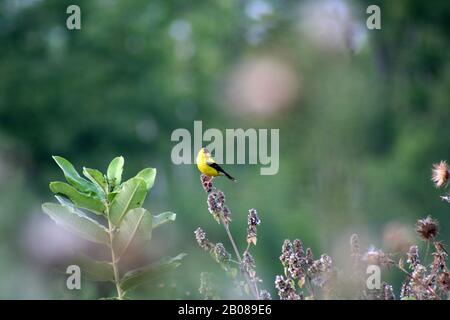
219, 168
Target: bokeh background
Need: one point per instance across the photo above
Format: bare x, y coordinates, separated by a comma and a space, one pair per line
362, 115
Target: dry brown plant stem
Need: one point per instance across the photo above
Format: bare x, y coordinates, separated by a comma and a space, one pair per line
254, 288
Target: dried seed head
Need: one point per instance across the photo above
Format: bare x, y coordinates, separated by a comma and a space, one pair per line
327, 262
309, 258
280, 283
221, 254
427, 228
286, 290
287, 246
419, 272
444, 281
286, 250
202, 241
405, 291
293, 259
292, 295
440, 174
439, 257
377, 257
206, 183
226, 214
413, 256
296, 260
419, 282
253, 218
248, 260
248, 265
252, 222
388, 292
294, 269
298, 248
320, 270
264, 295
216, 201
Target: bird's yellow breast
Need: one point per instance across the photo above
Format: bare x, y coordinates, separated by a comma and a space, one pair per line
202, 165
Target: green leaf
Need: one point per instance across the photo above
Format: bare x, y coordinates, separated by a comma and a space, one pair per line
131, 195
97, 178
80, 225
115, 170
73, 177
95, 270
112, 195
79, 199
136, 226
139, 276
163, 218
66, 203
148, 174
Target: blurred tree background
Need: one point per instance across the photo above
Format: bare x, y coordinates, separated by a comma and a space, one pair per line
362, 115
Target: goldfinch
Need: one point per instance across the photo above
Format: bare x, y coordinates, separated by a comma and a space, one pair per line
209, 167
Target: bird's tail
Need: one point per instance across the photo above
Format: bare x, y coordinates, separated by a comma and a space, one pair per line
229, 177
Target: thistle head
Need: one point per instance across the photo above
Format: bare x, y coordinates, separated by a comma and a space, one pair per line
427, 228
440, 174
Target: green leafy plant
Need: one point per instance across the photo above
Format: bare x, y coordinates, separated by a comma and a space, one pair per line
102, 209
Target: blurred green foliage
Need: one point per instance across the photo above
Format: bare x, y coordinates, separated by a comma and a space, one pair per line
356, 143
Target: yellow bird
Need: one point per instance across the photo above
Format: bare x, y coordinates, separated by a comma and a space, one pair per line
209, 167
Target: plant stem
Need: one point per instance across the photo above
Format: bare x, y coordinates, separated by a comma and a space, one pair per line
236, 251
114, 260
426, 253
426, 286
256, 285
